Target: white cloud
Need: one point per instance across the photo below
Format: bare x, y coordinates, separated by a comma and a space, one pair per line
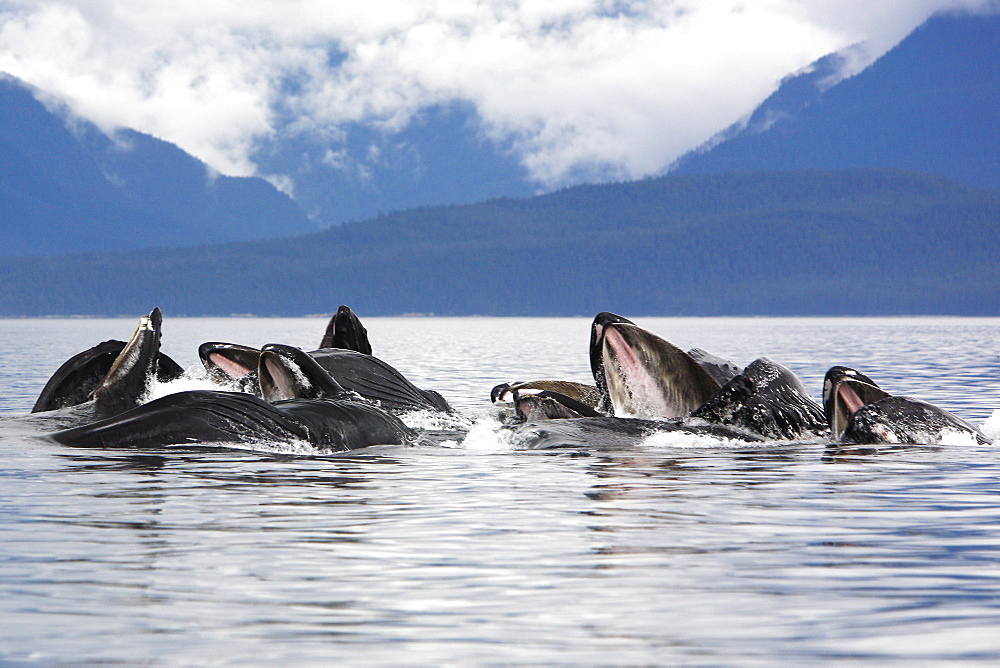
581, 87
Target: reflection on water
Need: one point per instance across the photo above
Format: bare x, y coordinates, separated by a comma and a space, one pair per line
662, 552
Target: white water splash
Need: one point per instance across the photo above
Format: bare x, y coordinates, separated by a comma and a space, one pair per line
193, 378
991, 427
435, 421
954, 437
301, 448
686, 439
487, 434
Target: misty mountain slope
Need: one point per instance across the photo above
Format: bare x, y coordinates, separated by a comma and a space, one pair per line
930, 104
440, 158
797, 243
63, 191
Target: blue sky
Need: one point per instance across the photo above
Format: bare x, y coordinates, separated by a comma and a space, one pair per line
576, 87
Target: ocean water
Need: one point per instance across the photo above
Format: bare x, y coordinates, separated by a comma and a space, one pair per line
471, 550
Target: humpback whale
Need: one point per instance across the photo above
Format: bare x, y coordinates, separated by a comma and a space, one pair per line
635, 372
640, 375
76, 379
368, 376
307, 406
647, 376
111, 377
211, 416
548, 399
644, 383
355, 370
346, 331
860, 412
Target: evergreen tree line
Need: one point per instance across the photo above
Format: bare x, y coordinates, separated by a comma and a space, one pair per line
845, 242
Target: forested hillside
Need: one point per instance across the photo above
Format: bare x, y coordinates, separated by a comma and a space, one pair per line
808, 242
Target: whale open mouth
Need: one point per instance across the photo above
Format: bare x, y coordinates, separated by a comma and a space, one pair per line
229, 362
845, 396
631, 385
647, 376
597, 333
231, 368
282, 376
276, 381
849, 398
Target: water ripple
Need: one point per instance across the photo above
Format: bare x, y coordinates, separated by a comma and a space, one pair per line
475, 552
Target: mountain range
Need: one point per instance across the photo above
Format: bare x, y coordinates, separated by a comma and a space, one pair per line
930, 104
877, 194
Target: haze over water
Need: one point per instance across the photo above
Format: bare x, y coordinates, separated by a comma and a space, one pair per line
674, 550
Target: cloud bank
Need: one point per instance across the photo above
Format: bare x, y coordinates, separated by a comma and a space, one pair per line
580, 88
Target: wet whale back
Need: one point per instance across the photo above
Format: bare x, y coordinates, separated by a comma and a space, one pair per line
721, 369
905, 420
767, 399
206, 416
201, 416
376, 380
346, 425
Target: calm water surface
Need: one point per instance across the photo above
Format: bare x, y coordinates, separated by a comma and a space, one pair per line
672, 551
